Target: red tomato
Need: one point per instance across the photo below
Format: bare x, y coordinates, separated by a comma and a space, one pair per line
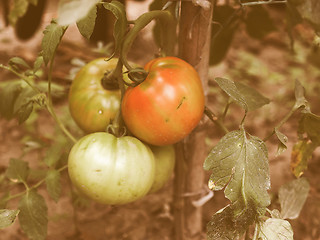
168, 105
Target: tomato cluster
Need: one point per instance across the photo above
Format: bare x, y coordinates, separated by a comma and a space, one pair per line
158, 112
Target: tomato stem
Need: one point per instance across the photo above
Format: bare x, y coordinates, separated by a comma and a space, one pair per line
168, 24
50, 107
215, 119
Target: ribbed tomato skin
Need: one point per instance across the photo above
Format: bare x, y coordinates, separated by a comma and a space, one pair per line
168, 105
91, 106
111, 170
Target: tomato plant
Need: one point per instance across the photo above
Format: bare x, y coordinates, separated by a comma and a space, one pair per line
111, 170
91, 105
164, 157
167, 105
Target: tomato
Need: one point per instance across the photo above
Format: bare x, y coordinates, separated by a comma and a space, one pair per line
167, 105
164, 157
111, 170
91, 105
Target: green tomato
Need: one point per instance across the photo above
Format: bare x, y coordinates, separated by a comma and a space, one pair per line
91, 105
165, 161
111, 170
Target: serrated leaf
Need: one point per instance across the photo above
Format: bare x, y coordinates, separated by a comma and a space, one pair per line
71, 11
18, 10
248, 98
17, 61
292, 197
52, 37
7, 217
53, 184
121, 23
300, 155
53, 155
225, 224
8, 95
283, 140
240, 164
86, 25
37, 64
275, 229
310, 124
18, 170
33, 215
24, 98
301, 101
24, 112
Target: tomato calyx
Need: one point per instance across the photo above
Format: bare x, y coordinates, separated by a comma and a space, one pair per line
110, 81
116, 130
137, 76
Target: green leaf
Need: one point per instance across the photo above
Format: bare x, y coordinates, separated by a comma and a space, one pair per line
53, 155
33, 215
240, 164
18, 10
301, 101
18, 170
226, 224
292, 197
275, 229
310, 124
283, 140
24, 112
16, 62
52, 37
4, 199
53, 184
259, 23
300, 155
248, 98
8, 95
37, 64
86, 25
226, 23
71, 11
121, 23
309, 11
7, 217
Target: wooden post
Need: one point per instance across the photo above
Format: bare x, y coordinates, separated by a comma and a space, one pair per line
194, 47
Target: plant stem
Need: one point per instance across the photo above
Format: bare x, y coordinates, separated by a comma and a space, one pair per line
215, 119
289, 114
168, 23
23, 77
50, 105
36, 185
261, 2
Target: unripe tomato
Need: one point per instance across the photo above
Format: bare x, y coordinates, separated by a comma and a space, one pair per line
91, 105
111, 170
168, 105
164, 157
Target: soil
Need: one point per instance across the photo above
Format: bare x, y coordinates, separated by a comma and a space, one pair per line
268, 65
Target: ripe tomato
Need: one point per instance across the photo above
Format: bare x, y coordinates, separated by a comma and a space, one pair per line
164, 157
168, 105
111, 170
92, 106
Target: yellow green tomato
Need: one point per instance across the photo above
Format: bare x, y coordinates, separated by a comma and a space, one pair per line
91, 105
165, 161
111, 170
